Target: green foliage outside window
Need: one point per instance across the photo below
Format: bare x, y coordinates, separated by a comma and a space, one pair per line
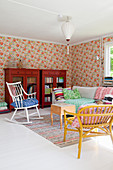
111, 61
111, 50
111, 64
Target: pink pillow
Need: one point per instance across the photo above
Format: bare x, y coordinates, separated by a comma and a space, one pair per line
109, 90
100, 93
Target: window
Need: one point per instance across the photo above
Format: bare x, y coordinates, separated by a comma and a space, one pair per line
108, 66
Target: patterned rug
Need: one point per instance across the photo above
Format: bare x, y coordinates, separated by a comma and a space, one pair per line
53, 133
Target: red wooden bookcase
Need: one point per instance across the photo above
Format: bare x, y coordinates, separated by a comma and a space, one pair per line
30, 79
50, 79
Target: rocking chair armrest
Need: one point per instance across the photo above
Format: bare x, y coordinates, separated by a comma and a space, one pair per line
30, 93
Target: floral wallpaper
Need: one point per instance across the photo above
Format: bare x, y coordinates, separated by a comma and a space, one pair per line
86, 69
82, 67
34, 54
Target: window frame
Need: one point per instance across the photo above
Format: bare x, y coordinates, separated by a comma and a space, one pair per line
107, 58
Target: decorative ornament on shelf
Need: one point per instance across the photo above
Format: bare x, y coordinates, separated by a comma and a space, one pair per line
20, 64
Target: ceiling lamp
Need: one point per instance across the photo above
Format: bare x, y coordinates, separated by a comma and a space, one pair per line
67, 29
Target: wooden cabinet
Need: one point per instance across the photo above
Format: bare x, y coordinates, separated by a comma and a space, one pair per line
50, 79
35, 80
30, 79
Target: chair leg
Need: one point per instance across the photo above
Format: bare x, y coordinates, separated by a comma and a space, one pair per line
111, 135
27, 115
80, 144
65, 133
13, 114
38, 111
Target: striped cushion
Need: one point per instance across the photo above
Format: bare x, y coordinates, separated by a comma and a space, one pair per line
58, 93
100, 93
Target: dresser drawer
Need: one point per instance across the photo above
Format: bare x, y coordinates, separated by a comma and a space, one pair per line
31, 72
18, 71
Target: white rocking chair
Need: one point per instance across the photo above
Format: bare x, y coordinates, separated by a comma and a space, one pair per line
20, 103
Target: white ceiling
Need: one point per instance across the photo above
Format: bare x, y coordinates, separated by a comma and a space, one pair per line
38, 19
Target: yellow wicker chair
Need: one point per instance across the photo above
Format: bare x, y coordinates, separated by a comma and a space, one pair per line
90, 118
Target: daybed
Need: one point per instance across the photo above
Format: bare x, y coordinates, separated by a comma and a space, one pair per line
88, 95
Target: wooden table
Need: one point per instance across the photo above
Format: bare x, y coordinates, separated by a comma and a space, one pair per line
59, 110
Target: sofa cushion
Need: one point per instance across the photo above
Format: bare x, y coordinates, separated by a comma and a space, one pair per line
79, 102
109, 90
100, 93
77, 93
70, 94
87, 92
58, 93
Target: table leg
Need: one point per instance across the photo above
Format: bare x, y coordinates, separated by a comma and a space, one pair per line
51, 117
60, 121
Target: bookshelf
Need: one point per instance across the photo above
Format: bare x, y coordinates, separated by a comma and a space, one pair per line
49, 80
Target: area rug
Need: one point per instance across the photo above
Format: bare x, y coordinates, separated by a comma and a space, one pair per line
54, 133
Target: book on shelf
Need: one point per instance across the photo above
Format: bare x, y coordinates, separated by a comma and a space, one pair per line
31, 80
107, 83
108, 78
46, 86
47, 99
31, 88
51, 85
51, 89
61, 79
48, 80
47, 90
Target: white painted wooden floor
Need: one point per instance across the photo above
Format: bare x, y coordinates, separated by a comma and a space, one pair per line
22, 149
